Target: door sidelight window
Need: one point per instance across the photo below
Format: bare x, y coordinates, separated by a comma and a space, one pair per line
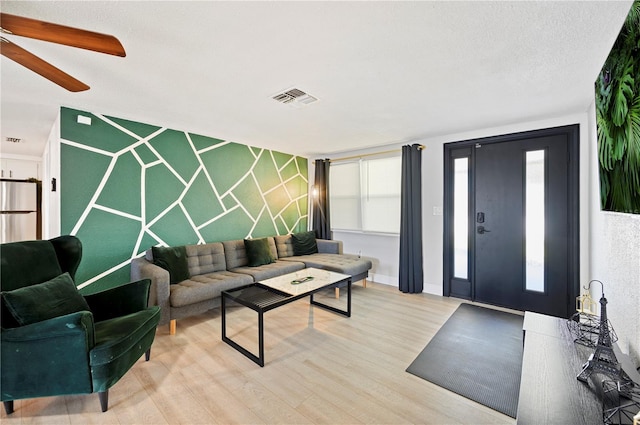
461, 218
534, 220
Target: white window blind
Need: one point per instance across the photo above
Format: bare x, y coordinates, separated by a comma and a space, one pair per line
365, 195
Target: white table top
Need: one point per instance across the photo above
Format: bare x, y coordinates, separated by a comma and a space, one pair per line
320, 278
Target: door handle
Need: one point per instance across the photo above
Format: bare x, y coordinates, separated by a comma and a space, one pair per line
482, 230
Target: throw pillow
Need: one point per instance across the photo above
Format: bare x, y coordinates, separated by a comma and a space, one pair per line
174, 260
35, 303
258, 252
304, 243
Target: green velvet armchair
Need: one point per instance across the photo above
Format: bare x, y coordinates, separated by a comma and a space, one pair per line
54, 341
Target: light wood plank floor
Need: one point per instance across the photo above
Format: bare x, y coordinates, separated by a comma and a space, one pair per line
321, 368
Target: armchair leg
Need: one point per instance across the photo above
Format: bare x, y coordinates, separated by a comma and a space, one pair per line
104, 400
8, 407
172, 327
147, 355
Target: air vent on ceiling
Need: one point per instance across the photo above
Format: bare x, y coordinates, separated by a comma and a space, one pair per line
295, 97
13, 139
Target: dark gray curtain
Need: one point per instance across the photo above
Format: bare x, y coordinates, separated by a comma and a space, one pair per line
321, 223
410, 276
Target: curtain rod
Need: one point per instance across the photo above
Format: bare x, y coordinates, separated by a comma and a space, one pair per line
420, 147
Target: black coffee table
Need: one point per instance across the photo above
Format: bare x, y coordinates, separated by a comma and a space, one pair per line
276, 292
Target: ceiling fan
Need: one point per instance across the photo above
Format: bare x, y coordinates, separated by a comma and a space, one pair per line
54, 33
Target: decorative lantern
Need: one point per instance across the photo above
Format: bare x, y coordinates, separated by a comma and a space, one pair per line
585, 324
586, 305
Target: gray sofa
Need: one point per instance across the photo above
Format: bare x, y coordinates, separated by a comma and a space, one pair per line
219, 266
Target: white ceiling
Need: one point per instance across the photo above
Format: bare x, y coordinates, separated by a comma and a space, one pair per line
385, 72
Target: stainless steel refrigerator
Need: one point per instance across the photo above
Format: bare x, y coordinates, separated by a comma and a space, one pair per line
20, 217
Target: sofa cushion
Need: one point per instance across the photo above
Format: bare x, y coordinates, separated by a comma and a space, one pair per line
205, 287
56, 297
267, 271
258, 252
174, 260
206, 258
304, 243
340, 263
236, 254
284, 245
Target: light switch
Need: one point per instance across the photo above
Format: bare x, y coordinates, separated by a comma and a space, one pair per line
84, 120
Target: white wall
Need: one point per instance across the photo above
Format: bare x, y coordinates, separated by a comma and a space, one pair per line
386, 251
615, 260
51, 169
381, 249
609, 242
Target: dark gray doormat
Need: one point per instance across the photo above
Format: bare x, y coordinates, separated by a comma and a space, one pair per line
478, 354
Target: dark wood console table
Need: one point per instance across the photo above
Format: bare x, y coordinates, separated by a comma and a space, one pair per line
549, 391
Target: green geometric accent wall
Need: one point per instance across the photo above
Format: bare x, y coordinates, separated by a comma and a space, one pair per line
126, 186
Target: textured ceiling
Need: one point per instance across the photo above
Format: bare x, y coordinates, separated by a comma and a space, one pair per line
385, 72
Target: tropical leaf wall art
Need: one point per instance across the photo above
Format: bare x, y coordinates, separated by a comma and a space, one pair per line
617, 92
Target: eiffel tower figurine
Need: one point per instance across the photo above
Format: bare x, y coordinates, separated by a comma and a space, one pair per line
603, 359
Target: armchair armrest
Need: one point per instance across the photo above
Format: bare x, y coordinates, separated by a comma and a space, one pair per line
119, 301
50, 354
159, 293
74, 324
326, 246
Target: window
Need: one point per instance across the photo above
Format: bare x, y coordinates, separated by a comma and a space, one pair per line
365, 195
534, 220
461, 217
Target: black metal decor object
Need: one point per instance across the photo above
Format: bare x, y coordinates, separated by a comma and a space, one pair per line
586, 329
584, 325
603, 359
620, 402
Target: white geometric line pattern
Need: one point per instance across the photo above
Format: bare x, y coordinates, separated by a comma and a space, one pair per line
190, 191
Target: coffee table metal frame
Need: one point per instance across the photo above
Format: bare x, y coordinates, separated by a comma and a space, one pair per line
261, 298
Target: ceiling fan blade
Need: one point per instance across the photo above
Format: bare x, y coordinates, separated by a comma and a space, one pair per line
39, 66
61, 34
